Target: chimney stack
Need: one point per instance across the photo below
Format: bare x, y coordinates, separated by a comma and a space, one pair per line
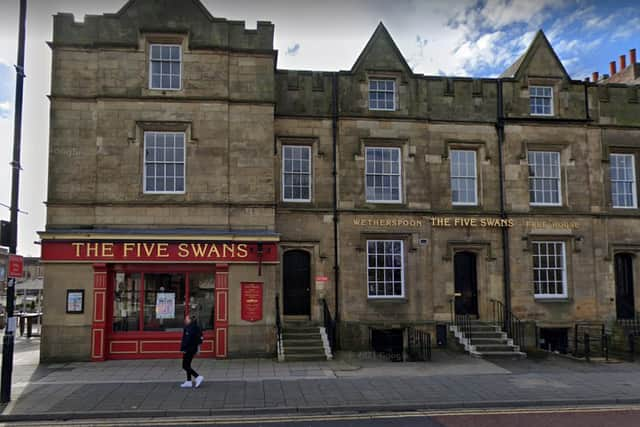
623, 62
612, 68
594, 76
632, 56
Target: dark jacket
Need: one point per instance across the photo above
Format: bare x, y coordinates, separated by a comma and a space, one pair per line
191, 338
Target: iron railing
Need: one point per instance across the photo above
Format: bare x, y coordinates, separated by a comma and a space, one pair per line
462, 322
329, 325
279, 342
631, 326
590, 339
508, 322
419, 345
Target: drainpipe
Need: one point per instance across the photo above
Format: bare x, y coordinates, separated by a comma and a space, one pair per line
506, 276
336, 262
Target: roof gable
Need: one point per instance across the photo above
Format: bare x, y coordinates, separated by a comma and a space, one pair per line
539, 60
190, 17
381, 54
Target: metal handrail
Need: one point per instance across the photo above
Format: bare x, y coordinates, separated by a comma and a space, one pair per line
508, 322
279, 342
329, 325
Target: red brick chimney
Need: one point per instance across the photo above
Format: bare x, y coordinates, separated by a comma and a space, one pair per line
632, 56
594, 76
623, 62
612, 68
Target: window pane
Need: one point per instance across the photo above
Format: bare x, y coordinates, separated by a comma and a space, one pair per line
202, 298
126, 302
164, 302
385, 266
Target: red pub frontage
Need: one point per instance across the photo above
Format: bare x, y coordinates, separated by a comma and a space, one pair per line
144, 285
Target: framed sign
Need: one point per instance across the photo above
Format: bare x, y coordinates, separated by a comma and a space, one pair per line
251, 301
75, 301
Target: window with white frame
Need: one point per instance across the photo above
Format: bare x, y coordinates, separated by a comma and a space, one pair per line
541, 100
165, 66
382, 94
382, 175
464, 186
164, 162
623, 180
296, 173
385, 268
544, 178
549, 270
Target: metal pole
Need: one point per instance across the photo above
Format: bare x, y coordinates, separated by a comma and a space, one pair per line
8, 339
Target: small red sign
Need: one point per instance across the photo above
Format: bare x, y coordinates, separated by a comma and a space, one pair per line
16, 267
251, 301
322, 279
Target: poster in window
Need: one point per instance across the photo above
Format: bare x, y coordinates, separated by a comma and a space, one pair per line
165, 305
75, 301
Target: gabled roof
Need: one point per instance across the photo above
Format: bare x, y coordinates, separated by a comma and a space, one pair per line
381, 40
197, 3
539, 42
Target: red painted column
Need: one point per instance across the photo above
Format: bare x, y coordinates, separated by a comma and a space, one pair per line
222, 309
99, 316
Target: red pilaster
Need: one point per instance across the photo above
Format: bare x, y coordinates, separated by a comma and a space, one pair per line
99, 315
222, 309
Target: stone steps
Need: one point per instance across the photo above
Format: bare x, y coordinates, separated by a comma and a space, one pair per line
487, 340
302, 341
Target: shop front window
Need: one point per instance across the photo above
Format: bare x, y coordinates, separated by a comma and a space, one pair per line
159, 302
202, 298
164, 302
126, 302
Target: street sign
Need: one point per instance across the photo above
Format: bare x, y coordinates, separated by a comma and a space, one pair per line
16, 267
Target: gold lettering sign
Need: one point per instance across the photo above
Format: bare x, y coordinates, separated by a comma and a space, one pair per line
388, 222
483, 222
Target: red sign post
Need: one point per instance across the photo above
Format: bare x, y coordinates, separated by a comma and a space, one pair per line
16, 267
251, 301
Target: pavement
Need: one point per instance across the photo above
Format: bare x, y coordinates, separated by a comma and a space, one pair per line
150, 388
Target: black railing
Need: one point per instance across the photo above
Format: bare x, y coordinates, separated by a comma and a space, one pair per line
278, 327
631, 326
508, 322
590, 339
419, 345
462, 322
329, 325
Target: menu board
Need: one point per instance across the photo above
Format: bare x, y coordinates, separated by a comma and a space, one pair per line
251, 301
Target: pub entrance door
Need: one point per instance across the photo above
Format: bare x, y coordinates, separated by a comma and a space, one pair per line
466, 283
296, 283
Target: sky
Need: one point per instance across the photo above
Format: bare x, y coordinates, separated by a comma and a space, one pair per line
478, 38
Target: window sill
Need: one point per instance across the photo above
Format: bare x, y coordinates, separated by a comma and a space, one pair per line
553, 300
386, 300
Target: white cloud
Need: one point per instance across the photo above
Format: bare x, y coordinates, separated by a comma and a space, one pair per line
5, 109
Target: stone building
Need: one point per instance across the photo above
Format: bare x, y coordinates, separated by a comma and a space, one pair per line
188, 174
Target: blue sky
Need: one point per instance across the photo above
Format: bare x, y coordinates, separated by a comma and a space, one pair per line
454, 37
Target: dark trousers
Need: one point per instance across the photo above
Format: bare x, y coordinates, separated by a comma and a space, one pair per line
187, 357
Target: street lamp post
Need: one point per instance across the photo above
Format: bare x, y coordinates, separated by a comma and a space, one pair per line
8, 339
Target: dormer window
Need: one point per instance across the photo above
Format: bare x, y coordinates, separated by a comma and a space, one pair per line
382, 94
165, 70
541, 100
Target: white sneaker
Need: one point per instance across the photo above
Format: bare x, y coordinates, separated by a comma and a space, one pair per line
186, 384
199, 380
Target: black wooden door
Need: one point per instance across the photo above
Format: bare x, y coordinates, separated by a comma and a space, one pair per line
296, 283
466, 283
625, 304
